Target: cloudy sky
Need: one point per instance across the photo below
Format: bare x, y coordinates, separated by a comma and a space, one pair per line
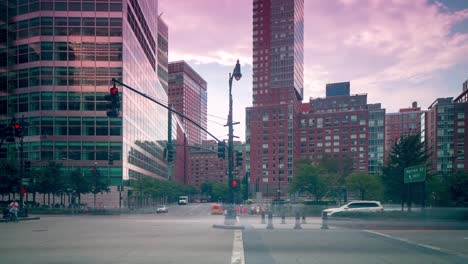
395, 51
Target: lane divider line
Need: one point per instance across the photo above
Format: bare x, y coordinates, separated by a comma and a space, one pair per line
418, 244
238, 248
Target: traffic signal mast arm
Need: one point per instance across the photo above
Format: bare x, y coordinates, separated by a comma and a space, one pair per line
195, 147
172, 110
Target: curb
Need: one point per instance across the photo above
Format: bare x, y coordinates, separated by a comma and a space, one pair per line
23, 219
232, 227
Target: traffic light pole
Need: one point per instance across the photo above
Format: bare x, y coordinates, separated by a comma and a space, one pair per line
230, 146
165, 106
21, 171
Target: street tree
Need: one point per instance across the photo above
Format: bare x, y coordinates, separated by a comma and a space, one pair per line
50, 180
9, 180
459, 189
79, 183
368, 186
99, 184
310, 179
408, 151
220, 191
337, 170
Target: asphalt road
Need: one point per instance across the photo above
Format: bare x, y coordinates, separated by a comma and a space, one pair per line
186, 235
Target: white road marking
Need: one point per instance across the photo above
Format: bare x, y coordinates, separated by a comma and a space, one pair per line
417, 244
238, 248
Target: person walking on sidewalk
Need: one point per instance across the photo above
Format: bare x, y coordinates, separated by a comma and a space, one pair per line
13, 207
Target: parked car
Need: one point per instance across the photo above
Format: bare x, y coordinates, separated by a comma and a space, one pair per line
161, 209
356, 206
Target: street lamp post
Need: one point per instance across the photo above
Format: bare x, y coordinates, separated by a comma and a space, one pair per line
231, 213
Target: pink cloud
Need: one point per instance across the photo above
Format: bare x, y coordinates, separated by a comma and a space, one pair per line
209, 31
375, 44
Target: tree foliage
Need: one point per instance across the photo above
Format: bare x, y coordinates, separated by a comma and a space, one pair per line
9, 180
408, 151
218, 191
310, 179
459, 189
149, 187
368, 186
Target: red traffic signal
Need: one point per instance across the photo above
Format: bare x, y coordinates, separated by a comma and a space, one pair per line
113, 90
234, 184
16, 126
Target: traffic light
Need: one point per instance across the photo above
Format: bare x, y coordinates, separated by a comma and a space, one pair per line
221, 149
111, 158
18, 130
113, 102
234, 184
170, 153
120, 188
238, 158
27, 166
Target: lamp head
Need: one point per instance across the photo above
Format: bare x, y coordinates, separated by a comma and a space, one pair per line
237, 71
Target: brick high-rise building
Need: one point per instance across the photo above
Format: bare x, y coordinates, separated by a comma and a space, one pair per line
407, 121
271, 122
445, 134
205, 165
437, 128
188, 95
460, 116
342, 126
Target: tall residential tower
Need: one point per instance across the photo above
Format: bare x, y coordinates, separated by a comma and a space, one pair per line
278, 40
188, 95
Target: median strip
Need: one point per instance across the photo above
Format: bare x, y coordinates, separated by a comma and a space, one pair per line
237, 248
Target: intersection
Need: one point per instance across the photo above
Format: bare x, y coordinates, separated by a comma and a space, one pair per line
185, 235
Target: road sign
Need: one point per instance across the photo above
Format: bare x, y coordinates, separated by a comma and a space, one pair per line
25, 181
415, 174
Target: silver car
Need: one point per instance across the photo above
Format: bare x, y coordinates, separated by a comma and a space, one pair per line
161, 209
356, 206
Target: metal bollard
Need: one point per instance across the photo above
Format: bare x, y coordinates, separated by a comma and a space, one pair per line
324, 220
303, 218
298, 223
270, 220
283, 218
263, 217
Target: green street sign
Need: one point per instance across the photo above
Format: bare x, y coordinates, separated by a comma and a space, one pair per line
415, 174
25, 181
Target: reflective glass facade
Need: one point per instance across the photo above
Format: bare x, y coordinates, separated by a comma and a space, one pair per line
57, 62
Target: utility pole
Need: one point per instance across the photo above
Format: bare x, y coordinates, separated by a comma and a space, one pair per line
231, 213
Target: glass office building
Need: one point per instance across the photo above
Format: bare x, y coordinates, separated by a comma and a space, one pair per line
57, 62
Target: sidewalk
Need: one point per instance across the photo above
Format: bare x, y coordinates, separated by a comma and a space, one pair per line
23, 218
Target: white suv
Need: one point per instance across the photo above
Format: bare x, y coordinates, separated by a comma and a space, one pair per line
356, 206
